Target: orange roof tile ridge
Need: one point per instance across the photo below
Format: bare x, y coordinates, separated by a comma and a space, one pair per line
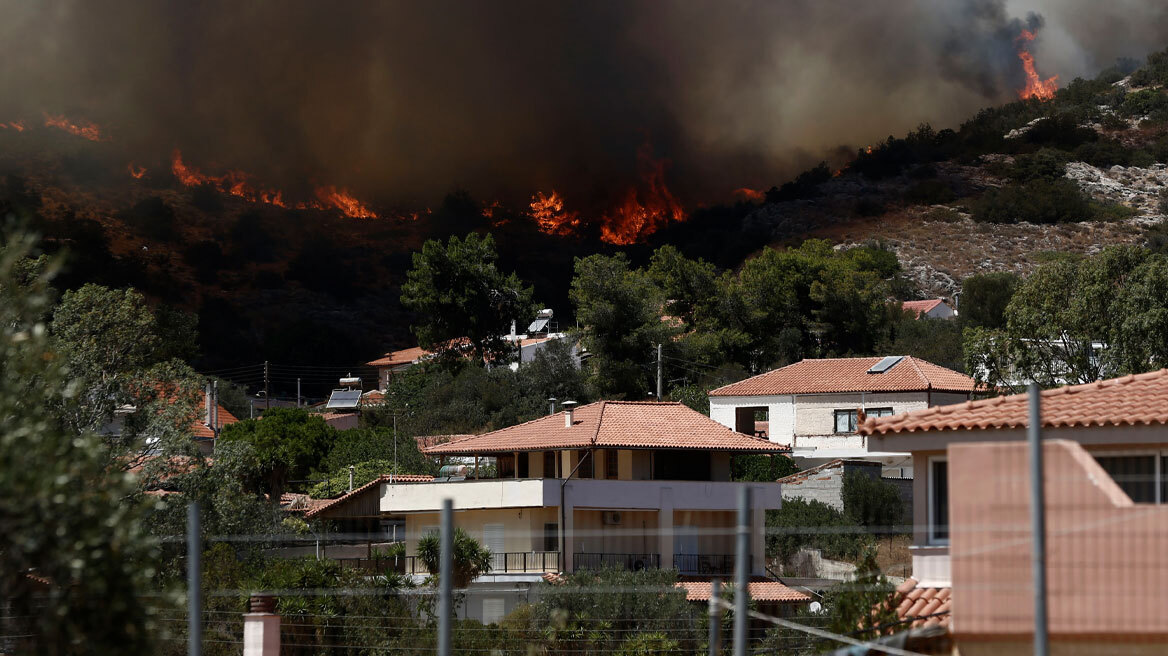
917, 367
599, 422
739, 382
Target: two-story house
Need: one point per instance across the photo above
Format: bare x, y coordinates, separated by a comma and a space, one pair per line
613, 483
815, 406
1106, 478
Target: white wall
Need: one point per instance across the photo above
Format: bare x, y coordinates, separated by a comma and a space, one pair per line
780, 413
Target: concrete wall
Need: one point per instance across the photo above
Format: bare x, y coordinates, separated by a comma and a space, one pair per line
780, 414
815, 413
522, 527
826, 485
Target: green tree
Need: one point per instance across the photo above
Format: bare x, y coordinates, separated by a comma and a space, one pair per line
870, 501
457, 292
73, 557
814, 524
761, 468
469, 559
289, 443
936, 340
1076, 321
690, 286
984, 298
620, 310
358, 445
554, 372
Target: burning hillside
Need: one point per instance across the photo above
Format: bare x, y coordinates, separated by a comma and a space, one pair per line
1036, 87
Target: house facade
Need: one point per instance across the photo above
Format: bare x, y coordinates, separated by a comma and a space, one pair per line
1106, 463
933, 308
610, 484
816, 406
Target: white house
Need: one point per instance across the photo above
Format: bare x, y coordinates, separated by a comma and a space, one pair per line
933, 308
815, 406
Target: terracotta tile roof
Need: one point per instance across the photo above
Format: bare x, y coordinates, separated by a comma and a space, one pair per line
919, 607
613, 424
921, 307
372, 397
760, 590
800, 476
397, 358
375, 483
835, 375
203, 430
1131, 400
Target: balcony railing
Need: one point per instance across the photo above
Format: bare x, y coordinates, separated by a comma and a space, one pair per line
704, 564
511, 562
633, 562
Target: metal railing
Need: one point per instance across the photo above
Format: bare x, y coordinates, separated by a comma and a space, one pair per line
515, 562
704, 564
633, 562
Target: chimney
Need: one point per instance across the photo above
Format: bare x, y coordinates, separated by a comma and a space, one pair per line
551, 405
513, 330
569, 415
207, 404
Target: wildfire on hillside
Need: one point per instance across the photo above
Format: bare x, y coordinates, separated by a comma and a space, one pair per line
645, 208
1036, 87
237, 183
84, 129
13, 125
550, 216
750, 195
136, 172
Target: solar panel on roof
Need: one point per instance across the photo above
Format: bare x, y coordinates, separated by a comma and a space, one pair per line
885, 364
344, 399
537, 326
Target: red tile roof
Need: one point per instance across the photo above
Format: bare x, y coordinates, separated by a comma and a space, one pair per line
426, 441
1131, 400
921, 307
613, 424
402, 357
760, 590
919, 607
203, 430
384, 478
835, 375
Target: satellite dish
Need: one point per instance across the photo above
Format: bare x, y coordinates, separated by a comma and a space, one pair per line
815, 607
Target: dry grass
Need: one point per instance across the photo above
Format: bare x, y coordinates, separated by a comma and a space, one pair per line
893, 556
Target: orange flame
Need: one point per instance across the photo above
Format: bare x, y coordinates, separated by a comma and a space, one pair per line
136, 172
341, 199
237, 183
13, 125
644, 210
83, 129
1036, 87
550, 216
748, 194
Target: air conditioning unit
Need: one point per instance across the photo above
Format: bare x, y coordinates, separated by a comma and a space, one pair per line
612, 517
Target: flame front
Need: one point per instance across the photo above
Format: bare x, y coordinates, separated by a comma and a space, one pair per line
13, 125
136, 172
84, 129
550, 217
645, 208
1036, 87
237, 183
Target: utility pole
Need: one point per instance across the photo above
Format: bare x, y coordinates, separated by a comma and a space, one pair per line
742, 572
659, 372
1038, 520
214, 413
267, 388
297, 391
194, 582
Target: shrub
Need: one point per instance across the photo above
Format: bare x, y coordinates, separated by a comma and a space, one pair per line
153, 218
361, 445
470, 559
930, 192
872, 501
761, 468
1037, 201
337, 482
1046, 164
984, 298
649, 644
1144, 102
800, 523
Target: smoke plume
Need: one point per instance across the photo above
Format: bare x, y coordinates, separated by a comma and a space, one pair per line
402, 101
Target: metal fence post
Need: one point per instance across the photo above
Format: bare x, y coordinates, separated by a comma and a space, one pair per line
1037, 519
445, 577
715, 616
194, 582
742, 572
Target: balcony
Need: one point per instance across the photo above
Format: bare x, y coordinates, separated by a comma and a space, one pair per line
628, 561
704, 564
511, 562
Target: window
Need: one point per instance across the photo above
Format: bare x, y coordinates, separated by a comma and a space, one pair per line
611, 465
845, 421
879, 412
549, 464
493, 610
585, 469
1135, 474
524, 460
938, 501
551, 537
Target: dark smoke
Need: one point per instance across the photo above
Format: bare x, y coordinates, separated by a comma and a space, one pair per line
402, 101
